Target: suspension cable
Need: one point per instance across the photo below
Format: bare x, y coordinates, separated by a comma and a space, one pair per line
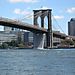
27, 17
58, 24
62, 29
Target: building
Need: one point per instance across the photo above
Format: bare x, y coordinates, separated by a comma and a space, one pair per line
71, 27
28, 37
31, 37
7, 29
7, 37
15, 31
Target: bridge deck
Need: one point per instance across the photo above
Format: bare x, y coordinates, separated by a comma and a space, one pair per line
26, 26
21, 25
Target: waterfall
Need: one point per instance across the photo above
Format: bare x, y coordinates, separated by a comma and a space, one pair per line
41, 45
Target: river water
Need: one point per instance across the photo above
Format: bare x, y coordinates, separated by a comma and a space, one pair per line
37, 62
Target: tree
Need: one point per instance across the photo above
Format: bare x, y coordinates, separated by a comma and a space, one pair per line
13, 43
67, 42
4, 45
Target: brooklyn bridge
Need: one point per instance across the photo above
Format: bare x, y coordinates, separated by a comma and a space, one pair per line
39, 32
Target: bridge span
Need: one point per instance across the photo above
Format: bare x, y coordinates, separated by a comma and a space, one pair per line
21, 25
26, 26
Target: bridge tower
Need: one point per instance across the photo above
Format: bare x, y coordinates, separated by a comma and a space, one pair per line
42, 14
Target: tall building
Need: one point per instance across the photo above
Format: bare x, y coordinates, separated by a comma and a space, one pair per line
28, 36
71, 27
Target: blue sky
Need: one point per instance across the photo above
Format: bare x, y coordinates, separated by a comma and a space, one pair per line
62, 10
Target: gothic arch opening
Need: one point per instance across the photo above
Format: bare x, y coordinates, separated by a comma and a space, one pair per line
39, 21
46, 22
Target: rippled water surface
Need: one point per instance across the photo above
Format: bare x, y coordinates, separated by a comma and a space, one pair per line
37, 62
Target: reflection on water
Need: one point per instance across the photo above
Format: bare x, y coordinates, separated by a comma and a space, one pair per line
37, 62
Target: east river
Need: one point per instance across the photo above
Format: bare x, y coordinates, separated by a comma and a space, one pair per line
37, 62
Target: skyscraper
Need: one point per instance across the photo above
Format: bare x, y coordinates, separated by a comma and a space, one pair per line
71, 27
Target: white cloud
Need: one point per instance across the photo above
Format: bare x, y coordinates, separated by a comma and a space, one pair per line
21, 12
27, 14
17, 11
58, 17
26, 1
71, 10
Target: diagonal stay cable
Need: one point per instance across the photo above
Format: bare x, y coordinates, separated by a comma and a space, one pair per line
58, 24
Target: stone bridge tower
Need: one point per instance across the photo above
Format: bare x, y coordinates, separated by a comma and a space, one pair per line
42, 14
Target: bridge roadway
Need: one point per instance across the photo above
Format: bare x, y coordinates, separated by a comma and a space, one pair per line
21, 25
26, 26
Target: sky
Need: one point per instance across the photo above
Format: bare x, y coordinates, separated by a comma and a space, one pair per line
62, 11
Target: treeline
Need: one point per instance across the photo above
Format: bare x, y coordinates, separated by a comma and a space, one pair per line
12, 44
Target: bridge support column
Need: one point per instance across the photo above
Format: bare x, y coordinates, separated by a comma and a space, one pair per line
38, 40
42, 14
49, 40
49, 35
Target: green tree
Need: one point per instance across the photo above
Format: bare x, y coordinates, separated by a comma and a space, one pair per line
4, 45
13, 43
67, 42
